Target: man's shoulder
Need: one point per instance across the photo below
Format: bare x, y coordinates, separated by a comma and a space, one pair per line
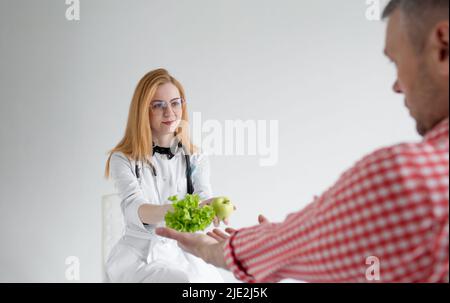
402, 153
404, 157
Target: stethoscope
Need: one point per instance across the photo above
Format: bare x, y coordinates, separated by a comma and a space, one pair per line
187, 158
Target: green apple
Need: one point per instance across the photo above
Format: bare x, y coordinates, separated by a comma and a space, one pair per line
222, 207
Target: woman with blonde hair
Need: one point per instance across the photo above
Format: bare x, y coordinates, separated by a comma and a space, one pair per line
154, 161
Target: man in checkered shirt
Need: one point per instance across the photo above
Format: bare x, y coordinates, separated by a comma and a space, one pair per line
386, 219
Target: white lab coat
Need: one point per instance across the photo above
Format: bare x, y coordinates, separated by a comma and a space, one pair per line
141, 255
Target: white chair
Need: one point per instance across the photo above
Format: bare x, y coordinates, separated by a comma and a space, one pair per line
113, 227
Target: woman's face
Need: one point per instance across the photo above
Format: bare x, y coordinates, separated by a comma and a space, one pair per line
165, 110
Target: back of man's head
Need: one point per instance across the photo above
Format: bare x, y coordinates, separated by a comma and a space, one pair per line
420, 16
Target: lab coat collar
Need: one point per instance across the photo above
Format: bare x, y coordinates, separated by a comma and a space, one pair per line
169, 151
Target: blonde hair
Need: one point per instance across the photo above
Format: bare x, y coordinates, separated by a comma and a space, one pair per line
137, 143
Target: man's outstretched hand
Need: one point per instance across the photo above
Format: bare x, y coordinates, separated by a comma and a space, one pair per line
202, 246
208, 247
219, 235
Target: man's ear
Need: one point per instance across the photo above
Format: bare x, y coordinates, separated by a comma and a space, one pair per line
440, 46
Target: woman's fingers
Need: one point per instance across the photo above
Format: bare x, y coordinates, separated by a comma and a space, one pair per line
216, 222
206, 202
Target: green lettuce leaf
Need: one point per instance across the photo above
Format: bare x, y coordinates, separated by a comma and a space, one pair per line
188, 216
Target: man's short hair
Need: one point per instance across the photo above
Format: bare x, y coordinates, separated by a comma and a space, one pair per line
421, 16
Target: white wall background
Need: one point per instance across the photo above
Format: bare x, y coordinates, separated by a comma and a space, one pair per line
65, 87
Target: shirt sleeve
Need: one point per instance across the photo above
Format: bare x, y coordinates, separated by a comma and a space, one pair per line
379, 213
128, 189
201, 176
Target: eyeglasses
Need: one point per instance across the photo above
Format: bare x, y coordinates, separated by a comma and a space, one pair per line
159, 106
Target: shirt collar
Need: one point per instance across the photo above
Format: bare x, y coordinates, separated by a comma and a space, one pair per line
439, 132
170, 152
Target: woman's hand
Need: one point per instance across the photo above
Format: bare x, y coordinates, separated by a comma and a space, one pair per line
216, 219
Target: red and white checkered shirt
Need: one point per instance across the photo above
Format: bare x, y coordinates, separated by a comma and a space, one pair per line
385, 220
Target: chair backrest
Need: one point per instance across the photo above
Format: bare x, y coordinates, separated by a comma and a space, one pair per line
113, 226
